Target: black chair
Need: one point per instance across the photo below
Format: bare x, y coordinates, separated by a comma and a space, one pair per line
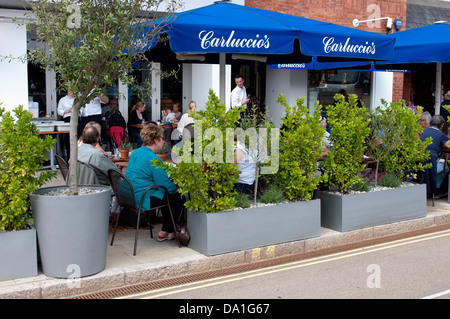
125, 196
63, 166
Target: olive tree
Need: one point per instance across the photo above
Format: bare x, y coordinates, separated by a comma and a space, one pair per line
91, 44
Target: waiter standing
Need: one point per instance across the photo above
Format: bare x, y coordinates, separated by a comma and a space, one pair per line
239, 93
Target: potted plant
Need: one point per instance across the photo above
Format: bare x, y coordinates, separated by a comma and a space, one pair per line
208, 176
87, 60
22, 153
389, 136
125, 147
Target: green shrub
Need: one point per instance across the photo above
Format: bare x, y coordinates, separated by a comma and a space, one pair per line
361, 186
208, 175
272, 195
242, 200
300, 147
394, 141
22, 153
349, 129
390, 180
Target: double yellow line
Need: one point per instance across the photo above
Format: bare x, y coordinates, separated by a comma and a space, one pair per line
163, 292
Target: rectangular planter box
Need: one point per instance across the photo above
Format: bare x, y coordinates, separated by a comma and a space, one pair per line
18, 254
349, 212
223, 232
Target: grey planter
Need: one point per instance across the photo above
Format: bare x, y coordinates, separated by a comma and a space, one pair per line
72, 231
18, 254
224, 232
349, 212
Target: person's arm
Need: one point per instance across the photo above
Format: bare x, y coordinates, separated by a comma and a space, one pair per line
446, 146
161, 178
103, 99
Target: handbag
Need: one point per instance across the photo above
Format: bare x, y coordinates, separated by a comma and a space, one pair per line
181, 230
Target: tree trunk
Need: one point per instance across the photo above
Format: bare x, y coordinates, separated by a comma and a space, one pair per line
73, 135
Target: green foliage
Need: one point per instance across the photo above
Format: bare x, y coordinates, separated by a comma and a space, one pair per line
208, 175
301, 146
401, 152
361, 186
274, 194
242, 200
22, 153
125, 145
349, 129
390, 180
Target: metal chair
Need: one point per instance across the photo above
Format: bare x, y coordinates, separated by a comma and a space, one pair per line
125, 196
63, 166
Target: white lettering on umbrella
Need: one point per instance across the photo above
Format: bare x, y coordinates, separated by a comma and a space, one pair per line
208, 40
331, 46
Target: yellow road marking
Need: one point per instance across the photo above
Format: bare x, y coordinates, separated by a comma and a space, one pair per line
289, 266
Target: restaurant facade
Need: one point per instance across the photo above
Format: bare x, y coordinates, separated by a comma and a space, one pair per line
23, 83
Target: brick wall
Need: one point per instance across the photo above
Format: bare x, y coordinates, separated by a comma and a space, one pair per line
343, 12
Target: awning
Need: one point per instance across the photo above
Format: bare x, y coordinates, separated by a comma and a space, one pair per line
236, 29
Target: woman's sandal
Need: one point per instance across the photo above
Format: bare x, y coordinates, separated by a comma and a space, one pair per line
163, 238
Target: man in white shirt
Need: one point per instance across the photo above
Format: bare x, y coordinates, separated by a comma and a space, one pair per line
65, 106
92, 112
239, 93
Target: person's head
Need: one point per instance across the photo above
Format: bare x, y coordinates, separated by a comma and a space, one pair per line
90, 135
151, 135
114, 103
176, 107
425, 119
70, 94
447, 96
191, 107
239, 80
139, 106
95, 125
437, 121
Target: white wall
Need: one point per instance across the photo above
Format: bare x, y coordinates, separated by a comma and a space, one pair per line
382, 84
13, 73
198, 79
292, 83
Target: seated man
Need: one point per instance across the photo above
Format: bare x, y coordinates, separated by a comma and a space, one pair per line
90, 155
440, 142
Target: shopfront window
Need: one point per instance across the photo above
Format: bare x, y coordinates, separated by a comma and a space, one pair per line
324, 84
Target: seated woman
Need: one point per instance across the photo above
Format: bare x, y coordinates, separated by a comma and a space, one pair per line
186, 118
142, 174
137, 116
176, 114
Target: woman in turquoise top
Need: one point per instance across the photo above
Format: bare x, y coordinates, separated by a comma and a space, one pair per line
142, 175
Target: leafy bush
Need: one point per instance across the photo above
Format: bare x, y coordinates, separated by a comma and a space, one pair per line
300, 148
349, 129
361, 186
394, 141
208, 175
22, 153
390, 180
242, 200
272, 195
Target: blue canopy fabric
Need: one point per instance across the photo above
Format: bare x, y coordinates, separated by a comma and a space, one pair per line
231, 28
428, 44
